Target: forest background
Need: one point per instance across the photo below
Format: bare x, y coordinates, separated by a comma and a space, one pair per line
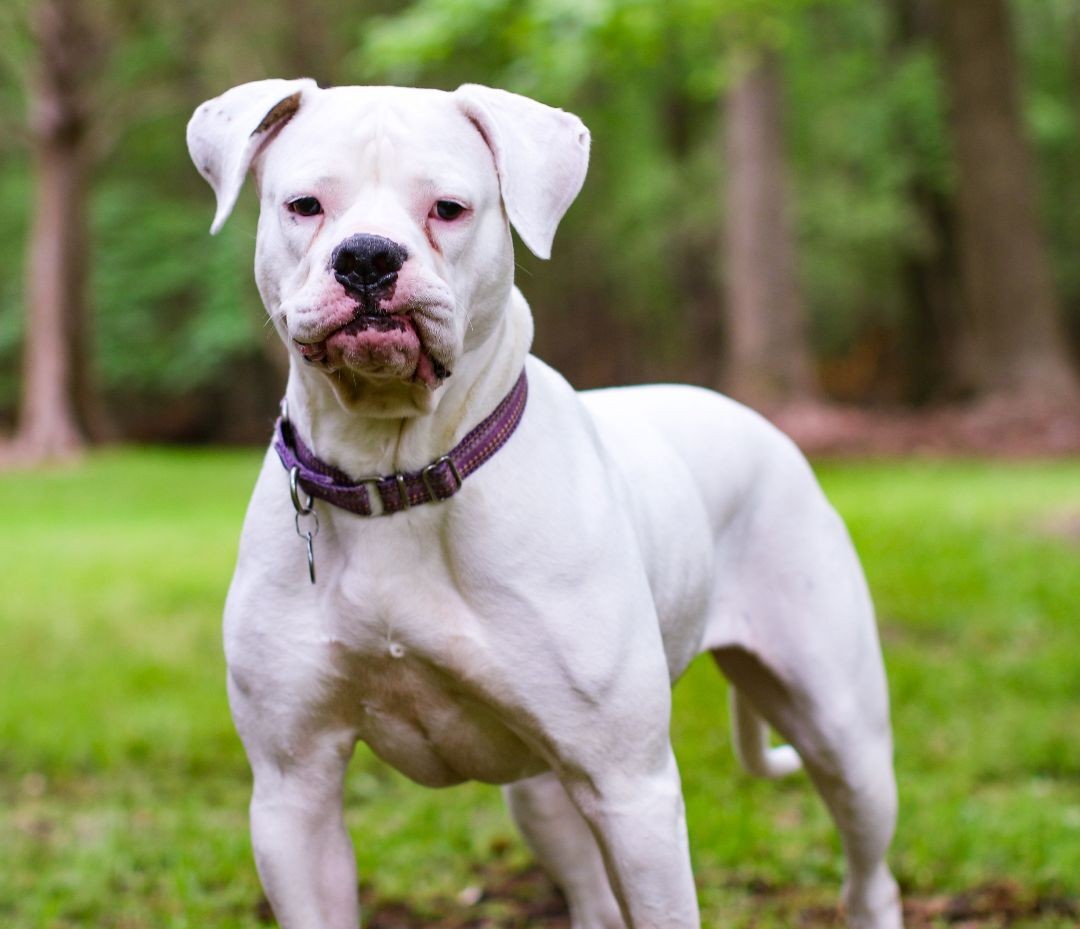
803, 202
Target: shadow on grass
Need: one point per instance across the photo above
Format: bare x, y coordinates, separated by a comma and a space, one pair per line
500, 898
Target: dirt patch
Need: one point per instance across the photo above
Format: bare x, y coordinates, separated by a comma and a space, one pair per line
993, 905
503, 899
1002, 427
1064, 526
1000, 903
498, 899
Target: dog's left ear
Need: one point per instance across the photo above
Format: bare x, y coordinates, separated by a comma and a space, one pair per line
541, 155
226, 133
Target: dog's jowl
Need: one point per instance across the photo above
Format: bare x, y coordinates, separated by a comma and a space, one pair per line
483, 574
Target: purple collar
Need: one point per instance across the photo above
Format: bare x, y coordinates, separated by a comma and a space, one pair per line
437, 481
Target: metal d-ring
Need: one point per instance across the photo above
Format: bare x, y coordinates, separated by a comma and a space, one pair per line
302, 509
309, 539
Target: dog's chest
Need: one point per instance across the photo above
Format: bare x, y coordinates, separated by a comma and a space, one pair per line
401, 664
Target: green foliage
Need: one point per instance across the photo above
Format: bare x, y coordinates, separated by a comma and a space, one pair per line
123, 789
861, 135
14, 208
864, 121
174, 311
162, 328
1049, 33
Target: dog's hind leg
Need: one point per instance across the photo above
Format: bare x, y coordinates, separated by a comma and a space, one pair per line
566, 849
793, 629
847, 749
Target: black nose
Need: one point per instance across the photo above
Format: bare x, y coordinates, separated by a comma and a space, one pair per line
367, 263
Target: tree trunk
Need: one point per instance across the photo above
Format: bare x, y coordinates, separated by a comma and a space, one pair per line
56, 382
769, 359
932, 338
692, 257
1016, 332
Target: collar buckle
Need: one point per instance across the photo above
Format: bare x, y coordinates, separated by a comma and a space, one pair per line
375, 495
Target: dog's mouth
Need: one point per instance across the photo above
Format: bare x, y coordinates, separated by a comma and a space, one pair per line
383, 346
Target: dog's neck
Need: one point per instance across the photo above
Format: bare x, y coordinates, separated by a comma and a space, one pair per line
362, 443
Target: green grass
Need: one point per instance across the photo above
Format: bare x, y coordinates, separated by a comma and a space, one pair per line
123, 789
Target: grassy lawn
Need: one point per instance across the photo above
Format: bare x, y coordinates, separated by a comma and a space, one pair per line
123, 790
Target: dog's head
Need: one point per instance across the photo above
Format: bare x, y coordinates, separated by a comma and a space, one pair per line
384, 252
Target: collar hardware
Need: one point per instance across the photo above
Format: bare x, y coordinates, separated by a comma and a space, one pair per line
433, 483
426, 476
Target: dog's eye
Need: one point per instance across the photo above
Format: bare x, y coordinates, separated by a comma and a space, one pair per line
305, 206
448, 209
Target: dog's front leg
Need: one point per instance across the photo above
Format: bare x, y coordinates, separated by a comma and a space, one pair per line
640, 822
302, 849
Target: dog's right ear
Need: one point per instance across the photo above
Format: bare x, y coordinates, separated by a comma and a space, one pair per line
226, 133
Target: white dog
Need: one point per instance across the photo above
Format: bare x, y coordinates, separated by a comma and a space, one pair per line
501, 587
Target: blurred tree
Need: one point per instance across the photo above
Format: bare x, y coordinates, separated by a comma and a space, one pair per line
1017, 339
932, 336
179, 344
769, 350
638, 249
657, 160
175, 316
59, 395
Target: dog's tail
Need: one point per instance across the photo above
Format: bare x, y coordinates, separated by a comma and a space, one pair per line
751, 741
